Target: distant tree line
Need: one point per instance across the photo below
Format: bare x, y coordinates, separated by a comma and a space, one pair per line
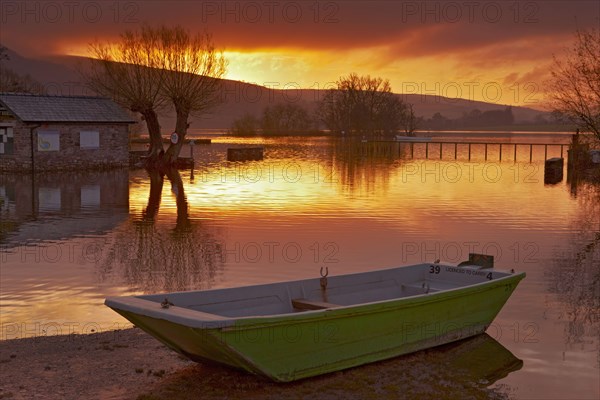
279, 119
358, 105
473, 119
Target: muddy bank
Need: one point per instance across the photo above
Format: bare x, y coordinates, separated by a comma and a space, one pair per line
109, 365
129, 364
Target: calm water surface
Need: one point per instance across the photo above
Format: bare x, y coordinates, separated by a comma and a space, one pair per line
70, 240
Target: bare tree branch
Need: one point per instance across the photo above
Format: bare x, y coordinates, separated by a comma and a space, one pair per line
192, 82
575, 84
155, 67
129, 72
12, 82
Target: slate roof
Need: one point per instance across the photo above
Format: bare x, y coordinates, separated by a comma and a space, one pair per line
35, 108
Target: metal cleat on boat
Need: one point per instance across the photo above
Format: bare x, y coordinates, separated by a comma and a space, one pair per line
166, 303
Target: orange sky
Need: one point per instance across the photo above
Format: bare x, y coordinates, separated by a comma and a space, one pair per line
496, 51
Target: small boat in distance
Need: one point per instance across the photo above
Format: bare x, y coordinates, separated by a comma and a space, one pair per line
414, 139
298, 329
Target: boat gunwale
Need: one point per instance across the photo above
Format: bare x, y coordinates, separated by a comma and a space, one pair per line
193, 318
370, 307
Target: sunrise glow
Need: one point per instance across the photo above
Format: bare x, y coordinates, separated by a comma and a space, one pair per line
497, 53
513, 83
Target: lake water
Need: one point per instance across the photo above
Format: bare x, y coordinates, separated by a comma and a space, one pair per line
69, 240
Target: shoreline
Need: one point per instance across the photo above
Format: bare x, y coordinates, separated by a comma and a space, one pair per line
130, 364
107, 365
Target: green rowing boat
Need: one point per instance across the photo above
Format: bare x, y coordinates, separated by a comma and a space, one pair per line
298, 329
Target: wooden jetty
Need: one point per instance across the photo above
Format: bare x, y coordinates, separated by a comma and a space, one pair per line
437, 147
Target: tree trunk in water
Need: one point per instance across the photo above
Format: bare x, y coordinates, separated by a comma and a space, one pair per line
181, 127
156, 185
183, 219
156, 146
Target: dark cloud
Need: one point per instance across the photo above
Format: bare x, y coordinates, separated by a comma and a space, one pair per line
443, 43
409, 28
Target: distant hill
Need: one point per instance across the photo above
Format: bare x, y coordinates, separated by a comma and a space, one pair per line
59, 76
55, 76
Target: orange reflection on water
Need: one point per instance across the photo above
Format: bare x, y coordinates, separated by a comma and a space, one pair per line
348, 206
51, 289
401, 193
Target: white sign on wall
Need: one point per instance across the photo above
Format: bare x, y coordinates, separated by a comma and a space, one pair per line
89, 139
48, 141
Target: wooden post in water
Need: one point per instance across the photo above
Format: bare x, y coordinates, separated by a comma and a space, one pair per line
440, 150
486, 152
500, 152
515, 156
530, 152
427, 150
469, 151
455, 149
573, 154
545, 152
553, 170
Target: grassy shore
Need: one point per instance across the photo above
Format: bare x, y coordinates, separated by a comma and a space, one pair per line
130, 364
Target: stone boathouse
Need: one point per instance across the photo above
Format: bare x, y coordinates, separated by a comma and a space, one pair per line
45, 133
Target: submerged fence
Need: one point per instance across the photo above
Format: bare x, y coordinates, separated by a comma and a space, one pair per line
438, 147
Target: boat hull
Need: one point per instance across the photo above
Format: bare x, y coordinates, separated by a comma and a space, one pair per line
300, 345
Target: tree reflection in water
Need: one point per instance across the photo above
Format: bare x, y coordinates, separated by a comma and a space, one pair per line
364, 166
575, 272
150, 256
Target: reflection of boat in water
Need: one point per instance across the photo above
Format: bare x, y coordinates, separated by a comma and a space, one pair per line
412, 139
483, 359
357, 318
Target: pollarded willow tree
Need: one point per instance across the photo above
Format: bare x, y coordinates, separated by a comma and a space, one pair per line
362, 105
192, 80
574, 89
155, 68
129, 72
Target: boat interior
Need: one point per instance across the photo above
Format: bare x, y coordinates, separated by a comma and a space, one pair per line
329, 292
